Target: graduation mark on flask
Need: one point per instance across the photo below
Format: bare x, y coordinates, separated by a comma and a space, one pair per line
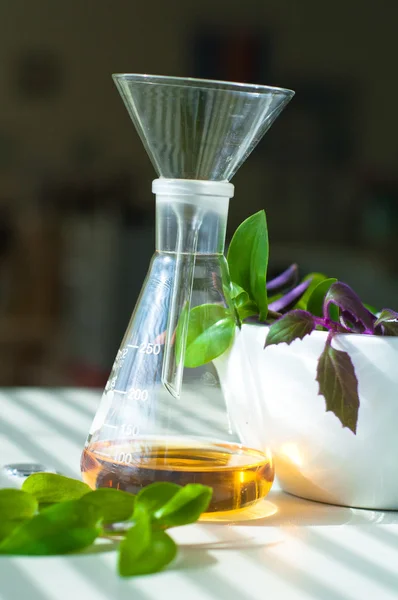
127, 430
145, 348
138, 394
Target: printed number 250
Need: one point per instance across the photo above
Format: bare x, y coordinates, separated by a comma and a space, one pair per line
146, 348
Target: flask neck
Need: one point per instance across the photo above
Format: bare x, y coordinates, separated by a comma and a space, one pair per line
191, 214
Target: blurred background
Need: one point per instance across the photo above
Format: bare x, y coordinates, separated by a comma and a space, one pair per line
76, 207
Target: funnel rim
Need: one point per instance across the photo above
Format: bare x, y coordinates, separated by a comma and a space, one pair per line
194, 82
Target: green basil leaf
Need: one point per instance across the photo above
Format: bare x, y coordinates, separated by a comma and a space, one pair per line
137, 540
114, 505
248, 310
64, 527
244, 306
239, 294
317, 297
339, 385
44, 505
242, 300
7, 527
161, 551
51, 487
248, 259
316, 278
184, 507
211, 332
16, 504
295, 324
155, 495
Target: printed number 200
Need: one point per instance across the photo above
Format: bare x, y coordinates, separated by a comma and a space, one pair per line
137, 394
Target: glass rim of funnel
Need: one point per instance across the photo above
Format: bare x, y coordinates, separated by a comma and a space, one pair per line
195, 82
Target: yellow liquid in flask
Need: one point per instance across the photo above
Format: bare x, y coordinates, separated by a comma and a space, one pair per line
239, 476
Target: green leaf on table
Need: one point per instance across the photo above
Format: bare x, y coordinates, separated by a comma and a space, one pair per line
248, 259
136, 541
295, 324
316, 279
339, 385
389, 320
184, 507
211, 331
114, 505
155, 495
317, 297
160, 552
51, 487
16, 505
59, 529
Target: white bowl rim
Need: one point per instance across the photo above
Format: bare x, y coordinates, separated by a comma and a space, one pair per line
324, 334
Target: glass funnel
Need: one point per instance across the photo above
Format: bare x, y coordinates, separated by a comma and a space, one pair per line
162, 416
199, 129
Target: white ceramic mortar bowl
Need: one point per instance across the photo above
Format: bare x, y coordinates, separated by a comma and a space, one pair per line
272, 397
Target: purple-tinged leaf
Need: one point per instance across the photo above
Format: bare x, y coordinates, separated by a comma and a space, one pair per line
296, 324
349, 321
284, 280
341, 295
290, 298
388, 319
334, 326
338, 384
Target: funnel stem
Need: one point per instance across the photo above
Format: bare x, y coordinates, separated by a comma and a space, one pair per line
180, 303
191, 218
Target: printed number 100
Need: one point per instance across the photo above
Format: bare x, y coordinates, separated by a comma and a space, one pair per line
124, 457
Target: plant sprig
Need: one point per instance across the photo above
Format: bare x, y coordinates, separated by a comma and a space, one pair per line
211, 327
53, 514
293, 309
341, 312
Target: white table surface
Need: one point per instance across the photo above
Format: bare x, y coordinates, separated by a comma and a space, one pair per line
302, 550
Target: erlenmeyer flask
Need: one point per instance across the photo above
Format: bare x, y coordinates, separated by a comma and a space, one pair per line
162, 416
